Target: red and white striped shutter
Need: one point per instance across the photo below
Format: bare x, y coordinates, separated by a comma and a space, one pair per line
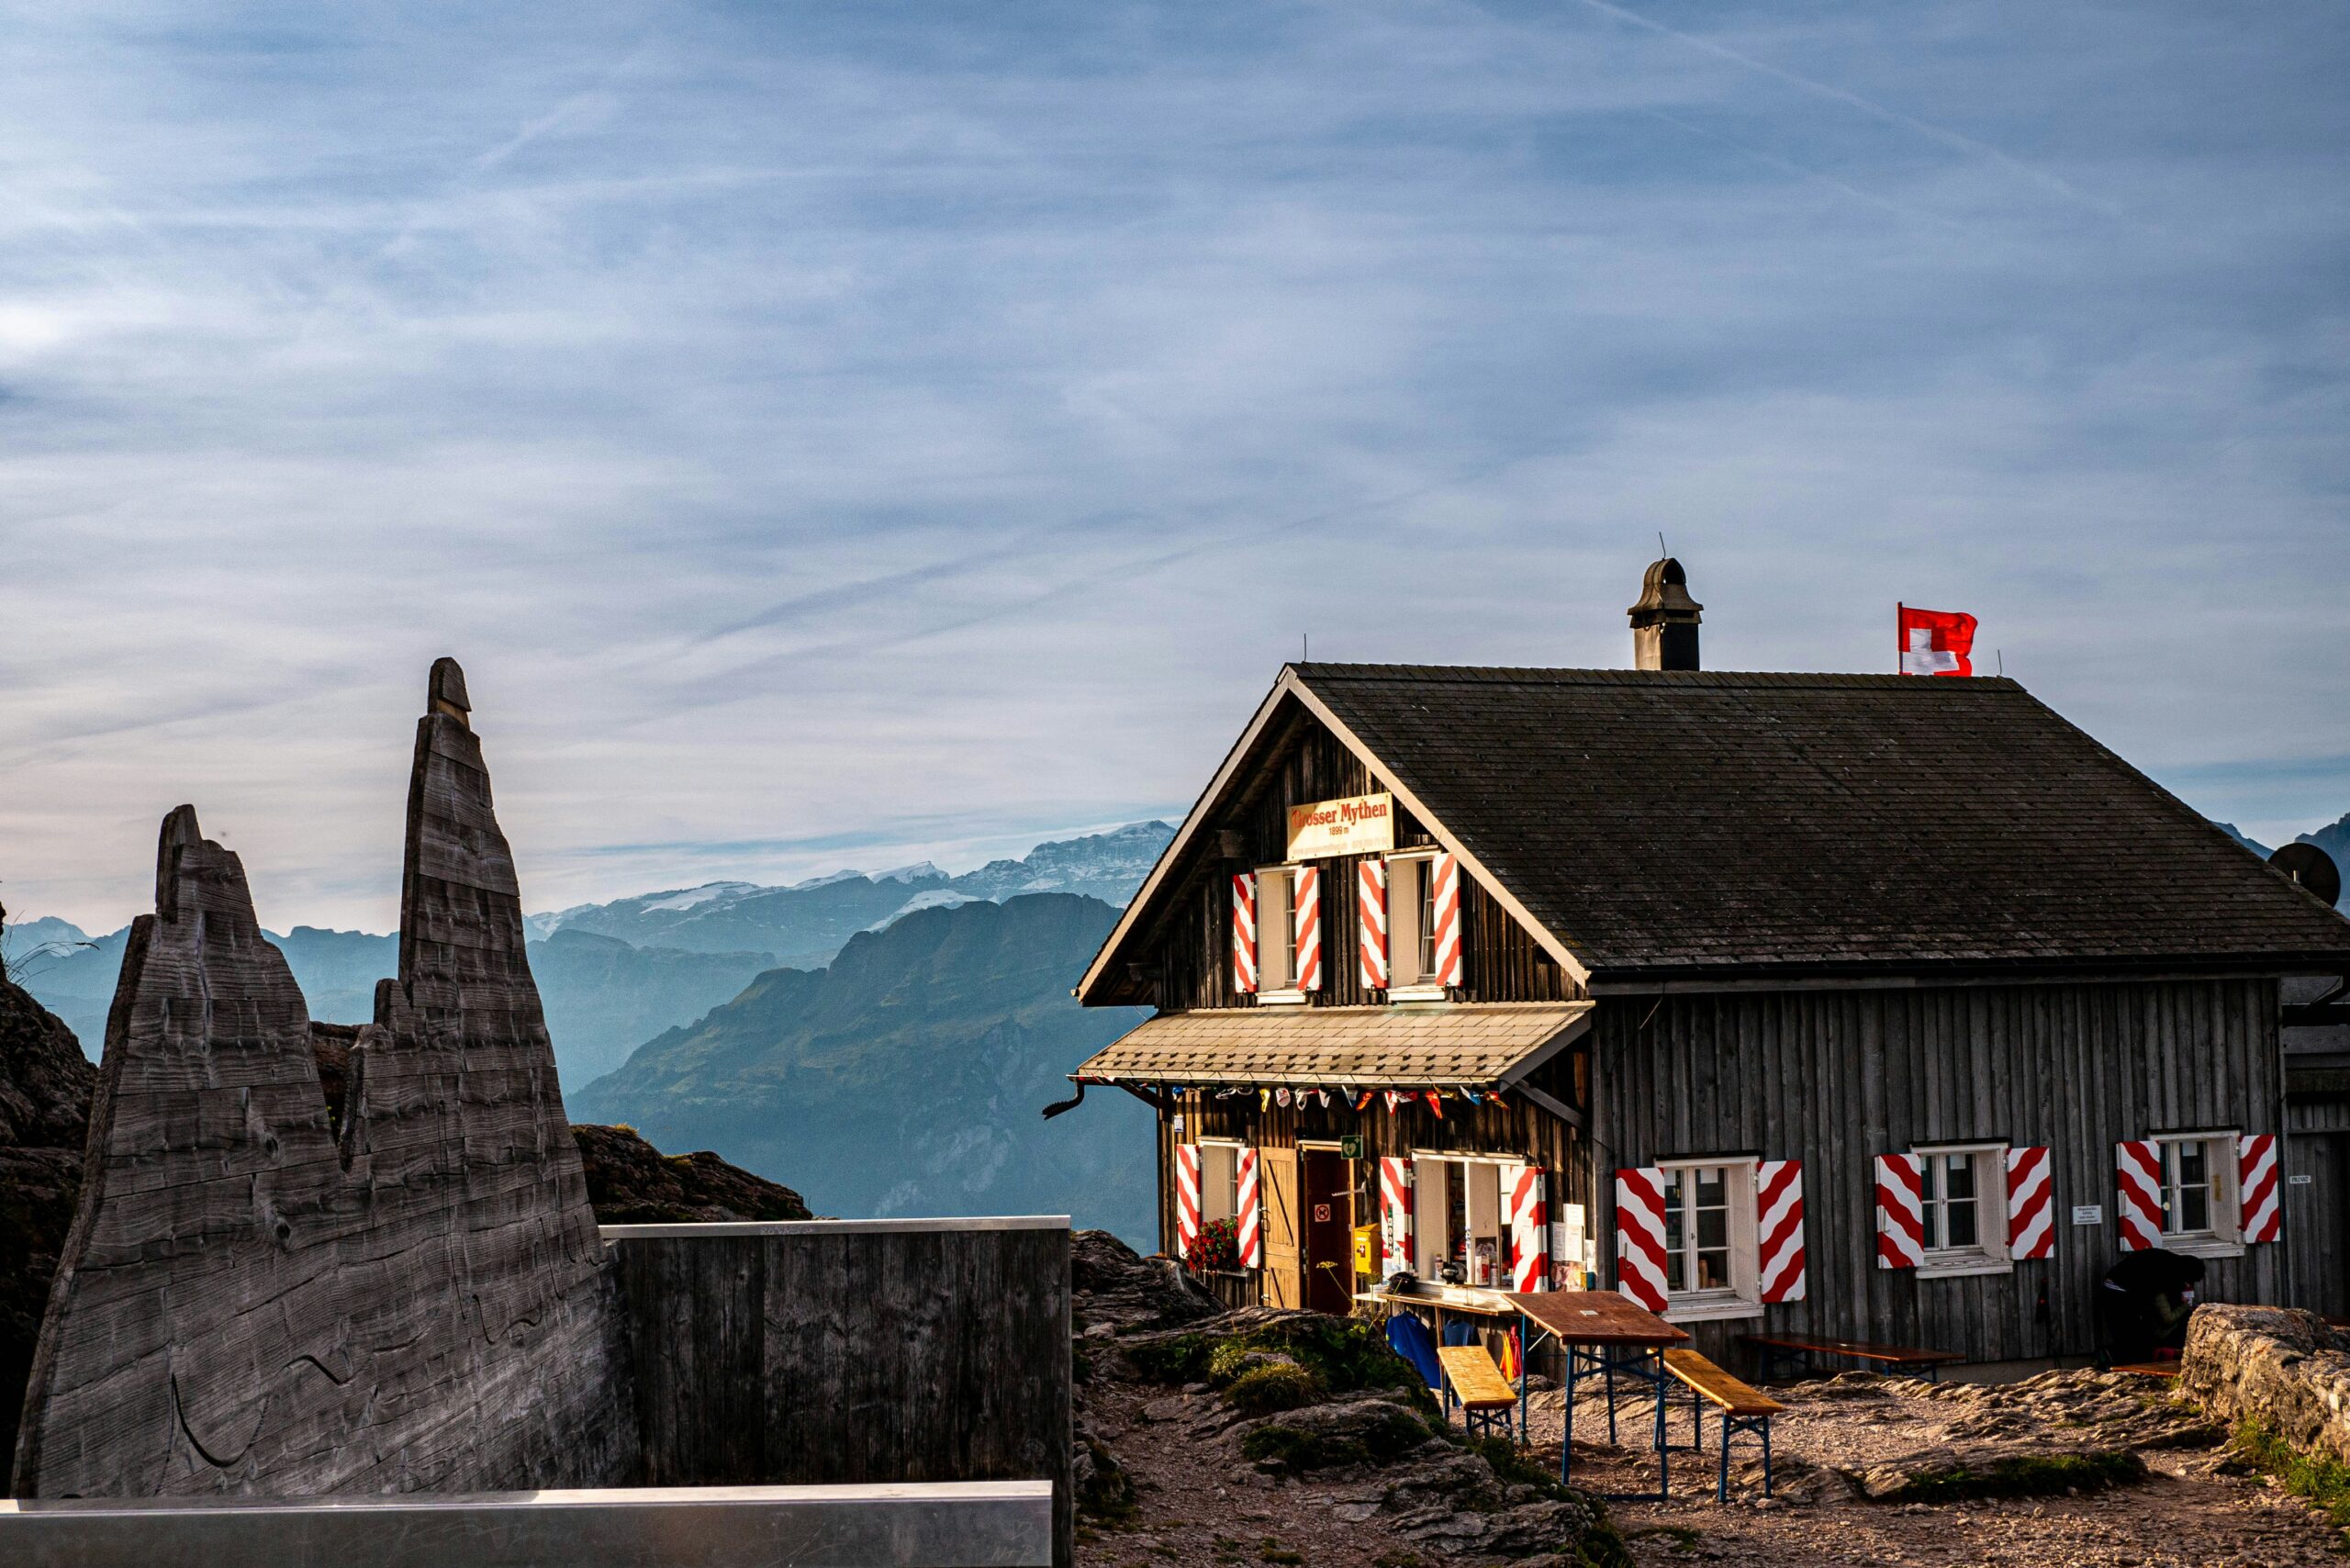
2032, 1204
1395, 1215
1900, 1211
1640, 1236
1249, 1237
1446, 869
1305, 912
2264, 1217
1371, 919
1778, 1217
1529, 1254
1187, 1201
1244, 933
2138, 1188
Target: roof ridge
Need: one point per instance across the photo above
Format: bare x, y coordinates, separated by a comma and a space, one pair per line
1568, 675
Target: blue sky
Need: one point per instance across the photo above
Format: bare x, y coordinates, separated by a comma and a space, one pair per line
869, 433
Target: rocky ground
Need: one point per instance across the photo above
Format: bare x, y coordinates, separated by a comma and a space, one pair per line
632, 1183
1184, 1467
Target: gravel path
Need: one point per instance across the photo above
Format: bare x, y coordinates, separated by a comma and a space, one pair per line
1196, 1506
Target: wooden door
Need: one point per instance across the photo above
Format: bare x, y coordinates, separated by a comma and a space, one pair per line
1328, 1204
1277, 1172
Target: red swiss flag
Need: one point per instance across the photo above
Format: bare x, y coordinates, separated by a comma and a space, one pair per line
1936, 641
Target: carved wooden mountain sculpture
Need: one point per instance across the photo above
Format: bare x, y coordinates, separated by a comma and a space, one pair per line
253, 1301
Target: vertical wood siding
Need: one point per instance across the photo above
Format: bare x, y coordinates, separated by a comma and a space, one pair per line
1835, 1077
1518, 1127
1503, 962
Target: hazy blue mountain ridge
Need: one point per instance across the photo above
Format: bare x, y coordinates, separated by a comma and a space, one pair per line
907, 1077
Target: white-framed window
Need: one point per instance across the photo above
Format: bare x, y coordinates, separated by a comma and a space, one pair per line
1219, 1181
1709, 1242
1963, 1194
1457, 1217
1276, 935
2199, 1198
1411, 927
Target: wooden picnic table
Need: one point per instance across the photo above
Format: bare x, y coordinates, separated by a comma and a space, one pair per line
1809, 1345
1603, 1333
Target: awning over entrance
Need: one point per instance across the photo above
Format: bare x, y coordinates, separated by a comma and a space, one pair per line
1364, 1048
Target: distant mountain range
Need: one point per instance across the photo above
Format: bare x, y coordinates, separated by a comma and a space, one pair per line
615, 974
908, 1077
805, 924
2334, 838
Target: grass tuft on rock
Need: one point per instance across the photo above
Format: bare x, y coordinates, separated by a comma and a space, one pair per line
2021, 1475
1392, 1434
2324, 1482
1345, 1355
1263, 1390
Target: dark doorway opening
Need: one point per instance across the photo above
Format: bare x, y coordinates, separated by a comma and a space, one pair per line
1327, 1200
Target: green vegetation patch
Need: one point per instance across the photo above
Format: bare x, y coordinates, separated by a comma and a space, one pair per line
1263, 1390
1389, 1436
2324, 1482
1344, 1355
2022, 1475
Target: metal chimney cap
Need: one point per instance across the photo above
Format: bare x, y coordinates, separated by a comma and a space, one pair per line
1665, 588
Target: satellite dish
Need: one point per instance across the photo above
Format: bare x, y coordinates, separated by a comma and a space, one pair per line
2313, 869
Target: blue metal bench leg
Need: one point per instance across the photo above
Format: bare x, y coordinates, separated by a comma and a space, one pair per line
1766, 1456
1607, 1379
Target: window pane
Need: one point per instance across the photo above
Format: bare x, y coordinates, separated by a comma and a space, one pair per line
1424, 876
1959, 1227
1713, 1227
2195, 1208
1676, 1232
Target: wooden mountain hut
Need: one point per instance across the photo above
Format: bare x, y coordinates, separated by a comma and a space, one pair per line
1863, 1006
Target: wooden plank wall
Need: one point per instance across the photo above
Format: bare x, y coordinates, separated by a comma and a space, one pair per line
2316, 1212
1502, 961
1836, 1077
846, 1353
1519, 1127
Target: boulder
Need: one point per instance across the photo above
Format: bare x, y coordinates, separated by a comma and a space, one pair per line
2279, 1366
632, 1183
45, 1084
1114, 1285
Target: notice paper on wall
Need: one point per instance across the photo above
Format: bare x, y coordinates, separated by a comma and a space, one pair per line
2089, 1214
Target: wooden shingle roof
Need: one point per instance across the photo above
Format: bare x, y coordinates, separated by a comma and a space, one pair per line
1658, 821
1368, 1047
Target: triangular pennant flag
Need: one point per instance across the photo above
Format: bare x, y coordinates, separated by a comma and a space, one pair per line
1324, 1096
1281, 1096
1362, 1100
1470, 1095
1435, 1101
1392, 1097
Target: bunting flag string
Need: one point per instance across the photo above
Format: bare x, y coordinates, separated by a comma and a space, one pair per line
1281, 1096
1264, 1099
1362, 1100
1435, 1101
1392, 1097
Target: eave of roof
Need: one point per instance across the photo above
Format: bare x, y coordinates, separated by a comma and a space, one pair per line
1474, 1045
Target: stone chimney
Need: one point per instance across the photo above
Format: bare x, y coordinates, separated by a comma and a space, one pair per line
1664, 623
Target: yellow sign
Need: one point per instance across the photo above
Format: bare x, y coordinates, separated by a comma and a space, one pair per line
1364, 1237
1360, 824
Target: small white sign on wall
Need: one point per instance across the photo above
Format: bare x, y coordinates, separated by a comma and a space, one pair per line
2089, 1214
1178, 1122
2297, 1180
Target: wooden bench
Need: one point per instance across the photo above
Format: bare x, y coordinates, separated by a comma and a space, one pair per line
2151, 1369
1779, 1348
1472, 1382
1743, 1408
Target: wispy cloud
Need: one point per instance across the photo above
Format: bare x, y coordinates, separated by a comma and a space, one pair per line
841, 432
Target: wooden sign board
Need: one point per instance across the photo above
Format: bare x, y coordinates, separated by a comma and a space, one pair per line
1358, 825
